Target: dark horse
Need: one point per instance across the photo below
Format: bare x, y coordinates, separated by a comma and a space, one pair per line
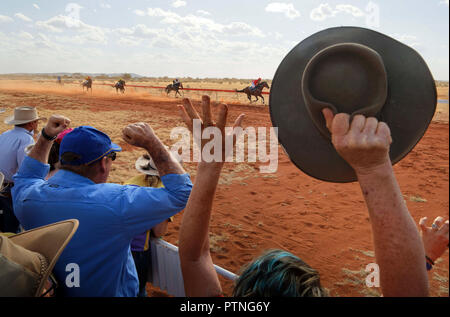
88, 84
257, 91
120, 85
175, 88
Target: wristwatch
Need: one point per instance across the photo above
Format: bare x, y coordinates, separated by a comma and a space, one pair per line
47, 137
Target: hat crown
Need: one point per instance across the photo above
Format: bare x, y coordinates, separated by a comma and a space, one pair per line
88, 143
348, 78
25, 113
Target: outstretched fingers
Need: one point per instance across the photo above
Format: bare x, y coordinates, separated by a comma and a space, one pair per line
206, 110
193, 114
186, 118
222, 117
238, 124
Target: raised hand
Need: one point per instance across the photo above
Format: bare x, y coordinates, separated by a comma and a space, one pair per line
364, 143
139, 134
189, 114
435, 238
56, 124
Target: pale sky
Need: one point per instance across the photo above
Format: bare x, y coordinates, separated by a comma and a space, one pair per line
200, 38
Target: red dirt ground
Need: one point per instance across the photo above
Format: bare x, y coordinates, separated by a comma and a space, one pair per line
325, 224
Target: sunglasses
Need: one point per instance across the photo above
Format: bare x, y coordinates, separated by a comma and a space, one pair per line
112, 156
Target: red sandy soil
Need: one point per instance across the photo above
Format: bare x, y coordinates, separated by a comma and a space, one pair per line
325, 224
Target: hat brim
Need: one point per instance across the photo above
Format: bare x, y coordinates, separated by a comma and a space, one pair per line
115, 148
142, 162
409, 109
49, 241
10, 120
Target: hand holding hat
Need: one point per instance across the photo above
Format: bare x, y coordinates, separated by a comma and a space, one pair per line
355, 71
364, 142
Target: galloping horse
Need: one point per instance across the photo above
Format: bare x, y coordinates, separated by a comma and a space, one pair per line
257, 91
120, 85
88, 84
175, 88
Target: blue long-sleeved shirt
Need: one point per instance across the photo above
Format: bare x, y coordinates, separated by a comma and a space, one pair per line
12, 150
110, 216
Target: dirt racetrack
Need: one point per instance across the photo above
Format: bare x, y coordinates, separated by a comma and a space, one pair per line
325, 224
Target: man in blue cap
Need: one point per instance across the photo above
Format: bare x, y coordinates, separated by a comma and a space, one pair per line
98, 260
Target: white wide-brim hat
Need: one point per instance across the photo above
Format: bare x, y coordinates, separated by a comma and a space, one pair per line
23, 115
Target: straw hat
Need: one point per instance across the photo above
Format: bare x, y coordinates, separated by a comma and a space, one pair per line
27, 259
356, 71
146, 165
23, 115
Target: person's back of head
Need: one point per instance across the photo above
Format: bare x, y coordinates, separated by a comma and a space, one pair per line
82, 152
278, 273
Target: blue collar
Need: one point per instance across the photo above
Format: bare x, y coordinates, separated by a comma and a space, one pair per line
20, 129
69, 179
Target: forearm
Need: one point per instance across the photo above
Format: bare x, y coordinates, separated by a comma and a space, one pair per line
398, 247
194, 240
164, 162
41, 150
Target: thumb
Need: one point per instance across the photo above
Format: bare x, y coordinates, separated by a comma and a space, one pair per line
329, 116
423, 223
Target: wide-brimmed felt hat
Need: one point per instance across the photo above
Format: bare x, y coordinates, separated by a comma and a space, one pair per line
146, 165
23, 115
356, 71
27, 259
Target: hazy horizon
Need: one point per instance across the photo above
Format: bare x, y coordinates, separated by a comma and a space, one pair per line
200, 39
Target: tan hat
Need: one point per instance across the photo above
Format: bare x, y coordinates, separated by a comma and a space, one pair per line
23, 115
27, 259
146, 165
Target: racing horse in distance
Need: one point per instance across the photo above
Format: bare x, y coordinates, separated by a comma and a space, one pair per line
257, 91
87, 84
175, 88
120, 85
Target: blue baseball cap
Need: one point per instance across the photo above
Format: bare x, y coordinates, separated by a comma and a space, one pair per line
88, 143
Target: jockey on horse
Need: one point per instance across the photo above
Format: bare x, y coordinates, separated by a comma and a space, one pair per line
255, 84
87, 83
255, 90
176, 83
175, 86
120, 85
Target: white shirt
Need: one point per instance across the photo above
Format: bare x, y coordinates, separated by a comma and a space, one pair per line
12, 150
